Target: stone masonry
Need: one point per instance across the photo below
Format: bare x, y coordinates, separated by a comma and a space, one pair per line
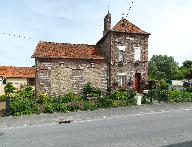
62, 66
56, 77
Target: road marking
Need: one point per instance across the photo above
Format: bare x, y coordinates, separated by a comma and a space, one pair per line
138, 114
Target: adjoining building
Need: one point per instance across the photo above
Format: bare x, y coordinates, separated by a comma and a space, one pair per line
119, 58
18, 76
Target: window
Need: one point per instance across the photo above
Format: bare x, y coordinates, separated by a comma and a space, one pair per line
121, 52
4, 81
137, 53
121, 80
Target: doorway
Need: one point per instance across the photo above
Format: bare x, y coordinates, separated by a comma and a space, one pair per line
138, 82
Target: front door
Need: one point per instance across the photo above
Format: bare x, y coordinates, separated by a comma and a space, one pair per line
138, 82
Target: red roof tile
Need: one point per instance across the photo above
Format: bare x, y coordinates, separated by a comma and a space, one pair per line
125, 26
66, 50
17, 72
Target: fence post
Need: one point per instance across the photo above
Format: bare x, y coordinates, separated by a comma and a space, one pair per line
7, 105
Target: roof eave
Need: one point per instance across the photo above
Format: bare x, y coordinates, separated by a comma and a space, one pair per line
41, 57
130, 32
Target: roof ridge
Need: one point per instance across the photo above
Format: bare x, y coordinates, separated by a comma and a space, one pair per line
130, 27
66, 50
64, 43
16, 66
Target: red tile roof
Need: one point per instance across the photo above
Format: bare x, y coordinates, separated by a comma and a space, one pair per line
66, 50
17, 72
125, 26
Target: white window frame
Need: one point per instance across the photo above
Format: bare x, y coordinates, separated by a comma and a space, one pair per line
121, 53
137, 53
121, 80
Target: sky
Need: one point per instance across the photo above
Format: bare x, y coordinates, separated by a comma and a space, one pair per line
25, 22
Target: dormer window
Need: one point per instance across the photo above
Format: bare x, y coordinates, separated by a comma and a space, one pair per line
137, 53
121, 53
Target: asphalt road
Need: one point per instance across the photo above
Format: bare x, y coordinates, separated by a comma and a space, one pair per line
172, 129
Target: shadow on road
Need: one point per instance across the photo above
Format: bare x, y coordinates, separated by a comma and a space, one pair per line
1, 134
182, 144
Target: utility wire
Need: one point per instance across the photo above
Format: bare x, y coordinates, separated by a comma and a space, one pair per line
15, 36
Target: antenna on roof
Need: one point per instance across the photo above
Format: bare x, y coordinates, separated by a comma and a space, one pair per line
129, 9
108, 7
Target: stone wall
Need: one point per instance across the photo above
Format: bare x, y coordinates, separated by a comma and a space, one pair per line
57, 76
108, 45
129, 67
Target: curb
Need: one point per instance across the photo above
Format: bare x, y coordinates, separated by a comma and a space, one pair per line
61, 118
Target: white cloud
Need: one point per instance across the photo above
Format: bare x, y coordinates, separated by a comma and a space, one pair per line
81, 21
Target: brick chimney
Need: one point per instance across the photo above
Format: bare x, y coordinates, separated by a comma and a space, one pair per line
107, 23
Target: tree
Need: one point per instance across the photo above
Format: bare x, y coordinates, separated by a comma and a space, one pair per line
187, 64
9, 88
185, 71
162, 67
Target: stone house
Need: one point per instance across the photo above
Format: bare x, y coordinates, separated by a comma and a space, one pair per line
18, 76
119, 58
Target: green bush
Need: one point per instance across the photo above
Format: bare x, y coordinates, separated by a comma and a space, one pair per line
43, 98
89, 90
163, 85
73, 106
131, 102
9, 88
131, 93
118, 95
19, 106
175, 96
23, 102
104, 102
50, 107
189, 89
89, 106
70, 97
26, 92
2, 98
119, 103
63, 108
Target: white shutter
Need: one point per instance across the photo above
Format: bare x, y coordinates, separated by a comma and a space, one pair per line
137, 53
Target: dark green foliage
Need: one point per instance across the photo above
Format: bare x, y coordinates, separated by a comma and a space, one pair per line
189, 89
162, 67
63, 108
179, 96
44, 98
105, 102
50, 107
187, 64
128, 95
185, 71
89, 90
2, 98
70, 97
118, 95
9, 88
131, 93
89, 106
23, 102
73, 106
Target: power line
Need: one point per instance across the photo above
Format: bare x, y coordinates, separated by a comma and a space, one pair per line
126, 15
16, 36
